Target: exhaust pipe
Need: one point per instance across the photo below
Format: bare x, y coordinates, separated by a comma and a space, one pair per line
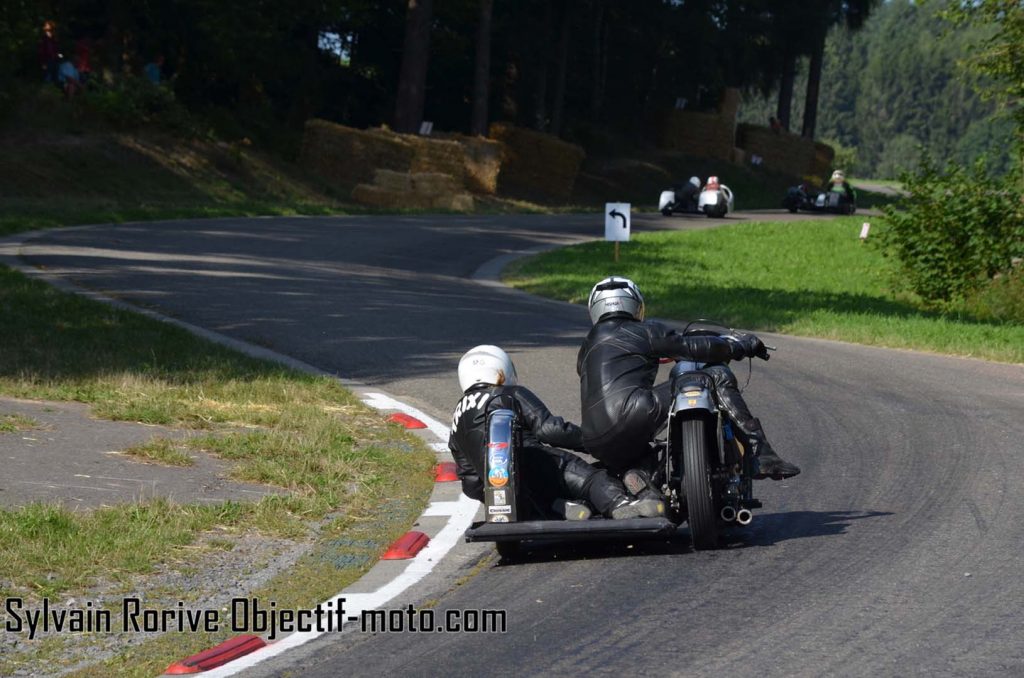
728, 514
744, 516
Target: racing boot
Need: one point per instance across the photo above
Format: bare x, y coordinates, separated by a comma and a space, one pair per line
624, 509
768, 464
572, 510
602, 491
650, 502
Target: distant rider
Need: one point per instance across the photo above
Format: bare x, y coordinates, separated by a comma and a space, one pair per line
488, 380
839, 184
687, 195
623, 409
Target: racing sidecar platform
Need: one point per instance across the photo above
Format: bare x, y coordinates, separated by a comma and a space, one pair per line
570, 530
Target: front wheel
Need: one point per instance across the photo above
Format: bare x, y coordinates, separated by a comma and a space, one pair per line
700, 504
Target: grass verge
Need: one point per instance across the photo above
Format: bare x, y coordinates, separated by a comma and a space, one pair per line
329, 454
812, 278
160, 451
12, 423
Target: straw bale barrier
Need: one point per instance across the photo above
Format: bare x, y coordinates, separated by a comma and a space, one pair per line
343, 155
482, 162
536, 164
786, 152
702, 134
413, 190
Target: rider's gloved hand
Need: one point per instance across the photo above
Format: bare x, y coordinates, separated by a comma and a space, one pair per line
747, 346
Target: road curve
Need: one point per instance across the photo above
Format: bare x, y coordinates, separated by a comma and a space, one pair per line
896, 552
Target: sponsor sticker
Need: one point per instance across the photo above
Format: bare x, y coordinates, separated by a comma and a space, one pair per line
499, 519
498, 458
498, 477
499, 497
499, 509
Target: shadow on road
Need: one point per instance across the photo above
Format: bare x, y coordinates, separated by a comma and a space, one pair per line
773, 528
767, 530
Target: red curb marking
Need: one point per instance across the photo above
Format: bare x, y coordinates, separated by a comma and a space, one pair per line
445, 472
406, 420
216, 656
406, 546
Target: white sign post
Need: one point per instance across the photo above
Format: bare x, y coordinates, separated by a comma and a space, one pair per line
864, 231
616, 224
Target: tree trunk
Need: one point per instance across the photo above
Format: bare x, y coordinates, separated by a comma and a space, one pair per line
558, 106
540, 113
412, 82
595, 92
482, 72
785, 109
814, 85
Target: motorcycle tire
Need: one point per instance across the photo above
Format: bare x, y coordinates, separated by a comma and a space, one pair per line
666, 212
700, 503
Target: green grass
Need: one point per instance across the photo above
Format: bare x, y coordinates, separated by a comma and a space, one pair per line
11, 423
804, 278
160, 451
325, 451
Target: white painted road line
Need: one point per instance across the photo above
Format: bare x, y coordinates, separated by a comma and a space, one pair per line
356, 603
382, 402
461, 513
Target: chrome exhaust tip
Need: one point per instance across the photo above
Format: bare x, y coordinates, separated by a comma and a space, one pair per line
744, 516
728, 514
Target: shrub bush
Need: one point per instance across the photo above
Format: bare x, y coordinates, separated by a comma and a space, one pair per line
133, 102
1001, 299
955, 228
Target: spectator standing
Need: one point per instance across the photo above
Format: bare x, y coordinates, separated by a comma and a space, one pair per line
49, 55
154, 70
83, 59
69, 78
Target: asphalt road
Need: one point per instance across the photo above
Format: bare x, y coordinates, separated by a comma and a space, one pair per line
896, 552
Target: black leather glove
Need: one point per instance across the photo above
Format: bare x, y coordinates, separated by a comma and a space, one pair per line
748, 346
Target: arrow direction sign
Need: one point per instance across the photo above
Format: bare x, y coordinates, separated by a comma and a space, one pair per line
616, 221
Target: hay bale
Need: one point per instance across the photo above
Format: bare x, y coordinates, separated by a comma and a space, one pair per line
535, 163
785, 152
428, 183
456, 202
703, 134
392, 181
824, 157
482, 162
375, 196
343, 155
462, 202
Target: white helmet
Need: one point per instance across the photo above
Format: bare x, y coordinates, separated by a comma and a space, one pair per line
838, 177
615, 295
695, 181
486, 364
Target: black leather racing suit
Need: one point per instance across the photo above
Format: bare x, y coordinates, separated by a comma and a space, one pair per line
548, 473
687, 197
622, 409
